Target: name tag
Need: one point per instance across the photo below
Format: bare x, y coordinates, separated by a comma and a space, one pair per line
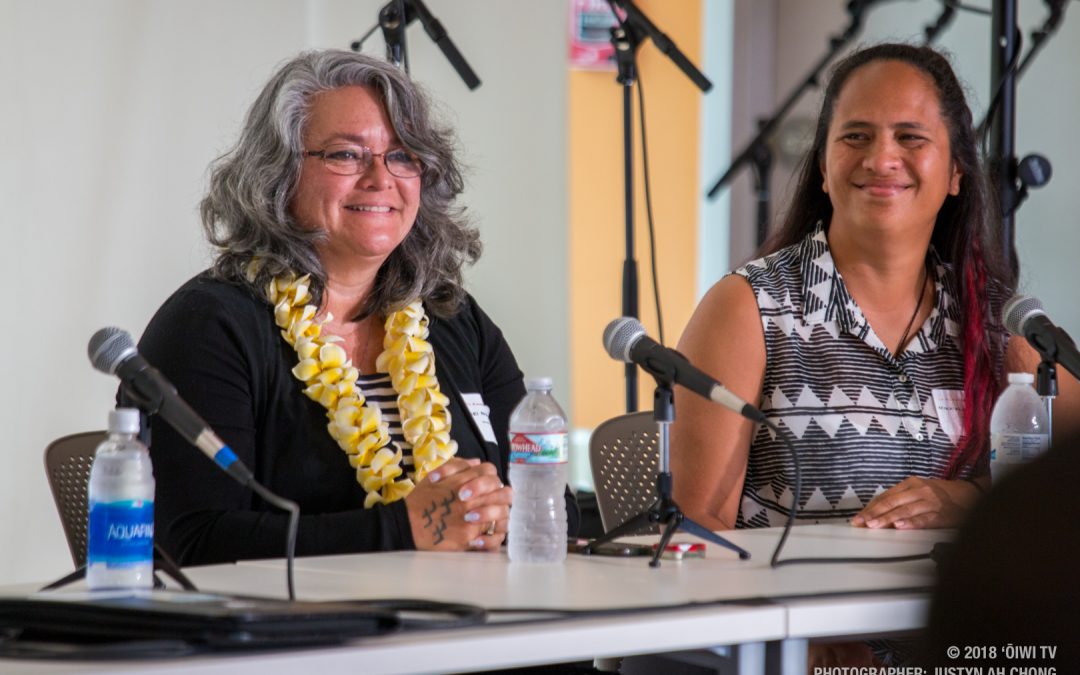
950, 412
481, 414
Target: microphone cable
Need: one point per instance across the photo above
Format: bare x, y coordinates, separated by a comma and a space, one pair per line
982, 131
290, 537
646, 183
241, 474
775, 561
1017, 66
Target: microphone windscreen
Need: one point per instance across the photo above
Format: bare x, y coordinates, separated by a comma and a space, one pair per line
1017, 311
620, 335
109, 347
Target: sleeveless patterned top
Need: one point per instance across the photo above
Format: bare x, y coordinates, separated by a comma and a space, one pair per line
861, 418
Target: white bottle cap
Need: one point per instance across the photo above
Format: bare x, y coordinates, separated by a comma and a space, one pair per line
124, 421
1021, 378
538, 384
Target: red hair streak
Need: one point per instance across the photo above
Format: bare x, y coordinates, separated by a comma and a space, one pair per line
980, 383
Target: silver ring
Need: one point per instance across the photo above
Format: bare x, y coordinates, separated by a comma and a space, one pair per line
490, 529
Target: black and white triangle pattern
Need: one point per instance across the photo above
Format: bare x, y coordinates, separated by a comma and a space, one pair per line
917, 418
862, 418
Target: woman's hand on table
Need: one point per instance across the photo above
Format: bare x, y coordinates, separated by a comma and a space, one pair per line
918, 503
462, 505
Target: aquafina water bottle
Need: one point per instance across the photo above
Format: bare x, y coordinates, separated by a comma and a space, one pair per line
120, 542
1019, 426
538, 456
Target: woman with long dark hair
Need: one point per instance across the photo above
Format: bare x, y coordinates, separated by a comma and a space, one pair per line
869, 329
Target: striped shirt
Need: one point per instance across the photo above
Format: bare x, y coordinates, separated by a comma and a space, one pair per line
380, 393
861, 418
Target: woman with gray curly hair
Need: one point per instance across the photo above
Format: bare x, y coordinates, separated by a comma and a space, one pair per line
332, 344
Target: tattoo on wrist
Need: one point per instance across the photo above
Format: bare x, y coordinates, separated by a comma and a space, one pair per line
431, 516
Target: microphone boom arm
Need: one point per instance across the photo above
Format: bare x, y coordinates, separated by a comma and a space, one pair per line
948, 13
439, 36
836, 45
394, 31
637, 18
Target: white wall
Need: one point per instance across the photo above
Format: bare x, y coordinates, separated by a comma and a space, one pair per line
112, 111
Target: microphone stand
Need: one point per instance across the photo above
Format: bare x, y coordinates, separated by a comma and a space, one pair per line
393, 27
393, 30
1003, 141
1005, 169
1046, 384
162, 563
664, 510
626, 41
757, 150
626, 38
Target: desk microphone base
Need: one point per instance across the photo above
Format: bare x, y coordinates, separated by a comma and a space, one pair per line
665, 511
162, 562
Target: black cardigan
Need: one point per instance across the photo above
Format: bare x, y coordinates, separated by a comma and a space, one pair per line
218, 344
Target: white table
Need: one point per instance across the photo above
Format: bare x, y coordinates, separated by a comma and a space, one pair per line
802, 602
820, 601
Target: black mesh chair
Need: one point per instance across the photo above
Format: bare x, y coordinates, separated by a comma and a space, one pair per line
67, 465
624, 454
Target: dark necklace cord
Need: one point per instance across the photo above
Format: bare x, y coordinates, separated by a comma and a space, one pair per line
915, 314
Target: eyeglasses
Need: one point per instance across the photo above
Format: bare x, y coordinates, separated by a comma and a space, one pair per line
350, 160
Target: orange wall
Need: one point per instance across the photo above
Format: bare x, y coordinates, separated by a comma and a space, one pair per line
672, 110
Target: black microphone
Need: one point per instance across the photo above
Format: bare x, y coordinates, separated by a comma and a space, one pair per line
1024, 317
112, 351
625, 340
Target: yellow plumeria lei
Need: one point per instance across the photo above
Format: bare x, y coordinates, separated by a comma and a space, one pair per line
358, 427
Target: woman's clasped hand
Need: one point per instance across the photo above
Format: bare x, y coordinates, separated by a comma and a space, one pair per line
456, 506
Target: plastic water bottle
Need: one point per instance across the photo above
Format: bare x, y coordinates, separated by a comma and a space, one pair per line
538, 456
120, 542
1019, 426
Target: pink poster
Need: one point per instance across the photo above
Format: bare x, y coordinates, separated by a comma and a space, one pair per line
590, 35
